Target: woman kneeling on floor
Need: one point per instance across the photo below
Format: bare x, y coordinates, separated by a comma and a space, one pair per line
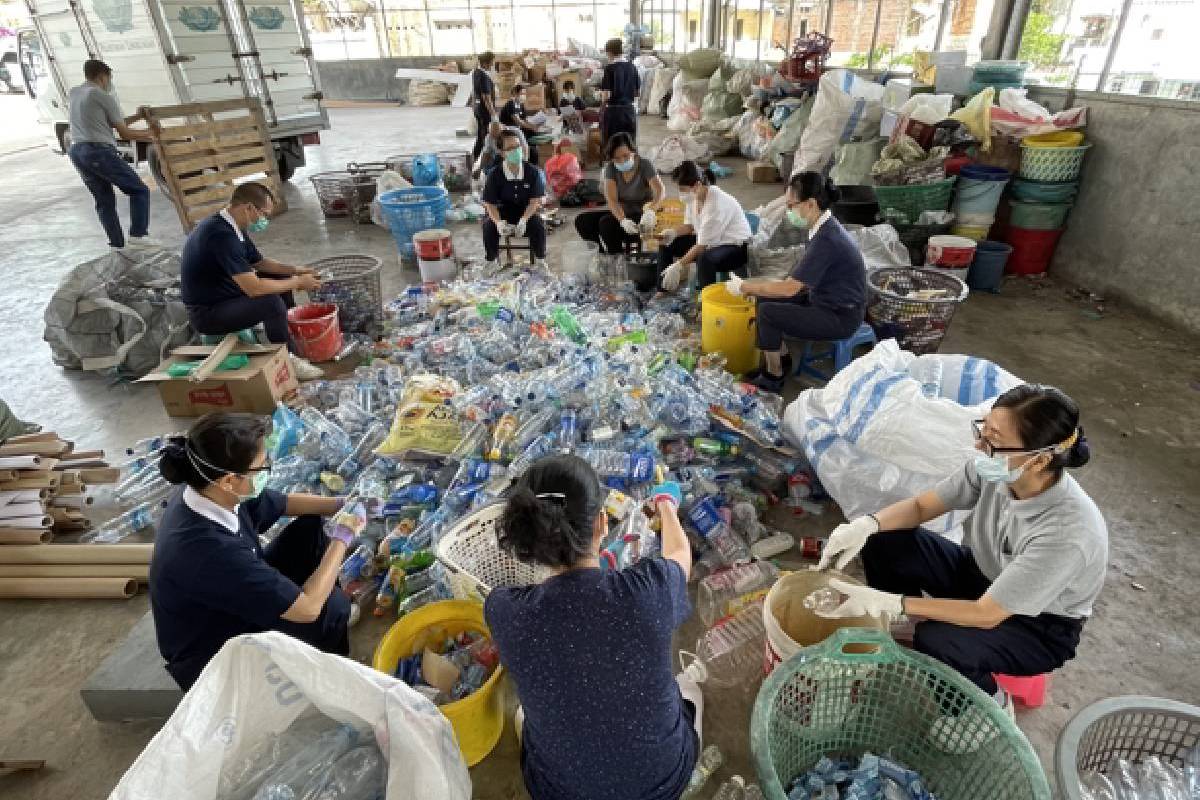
590, 649
1014, 597
210, 577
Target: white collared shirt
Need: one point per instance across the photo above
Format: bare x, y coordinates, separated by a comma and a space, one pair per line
816, 226
721, 220
225, 215
211, 511
520, 173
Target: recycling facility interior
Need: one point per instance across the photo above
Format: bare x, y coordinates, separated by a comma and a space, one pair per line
1136, 379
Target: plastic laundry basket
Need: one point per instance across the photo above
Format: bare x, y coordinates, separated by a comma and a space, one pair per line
828, 701
477, 719
470, 548
352, 283
1131, 727
1052, 164
903, 204
913, 306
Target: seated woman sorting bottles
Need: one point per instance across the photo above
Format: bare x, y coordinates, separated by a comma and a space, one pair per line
825, 296
1014, 597
590, 649
211, 579
630, 182
714, 233
512, 197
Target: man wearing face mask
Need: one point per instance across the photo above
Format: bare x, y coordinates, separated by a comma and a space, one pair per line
512, 197
825, 296
229, 286
94, 113
1013, 598
512, 115
211, 579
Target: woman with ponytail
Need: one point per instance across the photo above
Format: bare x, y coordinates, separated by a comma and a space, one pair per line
602, 717
1013, 598
211, 578
825, 296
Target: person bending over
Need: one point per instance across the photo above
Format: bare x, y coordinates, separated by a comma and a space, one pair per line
590, 649
713, 236
512, 197
630, 184
1014, 597
825, 296
228, 285
210, 577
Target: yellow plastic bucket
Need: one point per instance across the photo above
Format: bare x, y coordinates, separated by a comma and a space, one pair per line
727, 326
478, 719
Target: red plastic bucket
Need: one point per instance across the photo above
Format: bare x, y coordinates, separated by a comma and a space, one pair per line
434, 244
1031, 250
316, 330
953, 252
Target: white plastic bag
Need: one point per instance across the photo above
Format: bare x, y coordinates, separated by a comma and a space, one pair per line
663, 79
881, 247
674, 150
927, 108
847, 108
257, 686
790, 134
874, 437
1014, 100
687, 97
389, 181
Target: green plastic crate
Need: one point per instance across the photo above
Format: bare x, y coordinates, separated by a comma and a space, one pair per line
903, 204
833, 699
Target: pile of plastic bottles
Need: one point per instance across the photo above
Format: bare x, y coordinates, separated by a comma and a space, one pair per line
450, 668
1153, 779
875, 778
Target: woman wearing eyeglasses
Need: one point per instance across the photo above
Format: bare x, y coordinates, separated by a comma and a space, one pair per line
210, 577
1013, 598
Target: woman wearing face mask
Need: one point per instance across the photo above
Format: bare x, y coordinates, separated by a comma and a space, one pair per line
513, 115
1013, 598
713, 235
630, 183
602, 716
210, 577
569, 100
825, 296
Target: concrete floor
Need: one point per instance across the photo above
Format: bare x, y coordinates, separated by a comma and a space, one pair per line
1137, 382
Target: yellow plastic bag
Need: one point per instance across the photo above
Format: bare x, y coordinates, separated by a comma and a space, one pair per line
430, 427
977, 116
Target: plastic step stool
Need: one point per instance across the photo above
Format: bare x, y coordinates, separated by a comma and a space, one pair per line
841, 351
1029, 689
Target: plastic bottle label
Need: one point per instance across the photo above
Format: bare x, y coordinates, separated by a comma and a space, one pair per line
704, 516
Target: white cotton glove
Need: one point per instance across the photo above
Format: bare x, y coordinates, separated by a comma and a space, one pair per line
519, 228
863, 601
649, 219
846, 540
734, 285
629, 226
668, 236
671, 276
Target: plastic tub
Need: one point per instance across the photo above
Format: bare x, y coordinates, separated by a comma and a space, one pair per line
977, 196
1055, 139
984, 172
316, 330
791, 627
913, 306
1042, 192
975, 233
1039, 216
1032, 250
949, 251
987, 270
1054, 164
727, 326
477, 719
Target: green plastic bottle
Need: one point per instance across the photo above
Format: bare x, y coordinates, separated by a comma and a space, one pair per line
713, 447
566, 323
632, 337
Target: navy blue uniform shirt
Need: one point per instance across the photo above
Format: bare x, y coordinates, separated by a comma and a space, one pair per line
208, 585
621, 78
212, 255
512, 114
482, 86
504, 193
590, 652
833, 269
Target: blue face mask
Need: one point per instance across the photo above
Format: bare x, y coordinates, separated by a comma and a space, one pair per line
995, 468
624, 166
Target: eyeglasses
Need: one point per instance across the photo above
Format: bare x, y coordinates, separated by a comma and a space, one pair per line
989, 449
266, 467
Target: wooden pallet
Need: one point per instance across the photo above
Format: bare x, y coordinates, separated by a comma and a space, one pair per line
203, 155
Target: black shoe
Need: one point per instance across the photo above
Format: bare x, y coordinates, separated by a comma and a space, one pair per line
770, 383
750, 376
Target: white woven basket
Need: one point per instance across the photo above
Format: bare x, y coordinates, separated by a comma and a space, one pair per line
470, 549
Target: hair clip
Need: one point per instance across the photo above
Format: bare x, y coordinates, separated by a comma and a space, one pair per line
551, 496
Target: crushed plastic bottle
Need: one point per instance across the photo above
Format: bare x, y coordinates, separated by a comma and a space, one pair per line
732, 648
733, 789
131, 522
729, 590
709, 762
823, 601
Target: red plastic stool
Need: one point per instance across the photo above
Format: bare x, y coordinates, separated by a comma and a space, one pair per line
1030, 690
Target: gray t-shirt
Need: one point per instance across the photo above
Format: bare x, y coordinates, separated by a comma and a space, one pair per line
1046, 554
93, 112
635, 193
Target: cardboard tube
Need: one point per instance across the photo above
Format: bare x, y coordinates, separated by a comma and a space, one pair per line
139, 572
27, 523
49, 436
24, 536
53, 448
30, 509
77, 554
23, 496
71, 500
100, 475
64, 588
20, 462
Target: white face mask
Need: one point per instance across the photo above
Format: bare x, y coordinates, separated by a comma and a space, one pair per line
569, 97
995, 468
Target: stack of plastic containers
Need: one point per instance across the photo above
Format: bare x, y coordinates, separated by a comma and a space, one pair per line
1042, 197
998, 75
976, 197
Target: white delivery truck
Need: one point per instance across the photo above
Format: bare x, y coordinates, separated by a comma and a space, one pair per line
167, 52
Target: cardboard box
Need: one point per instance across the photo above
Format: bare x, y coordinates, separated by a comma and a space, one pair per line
595, 156
545, 152
535, 97
762, 172
256, 388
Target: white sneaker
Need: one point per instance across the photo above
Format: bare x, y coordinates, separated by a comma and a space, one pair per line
540, 263
305, 371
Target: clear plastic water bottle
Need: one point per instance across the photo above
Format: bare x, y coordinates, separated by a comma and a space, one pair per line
538, 449
732, 789
364, 452
927, 371
823, 601
129, 523
530, 429
143, 469
568, 430
732, 650
153, 488
144, 447
430, 594
635, 467
709, 762
472, 441
717, 592
335, 443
